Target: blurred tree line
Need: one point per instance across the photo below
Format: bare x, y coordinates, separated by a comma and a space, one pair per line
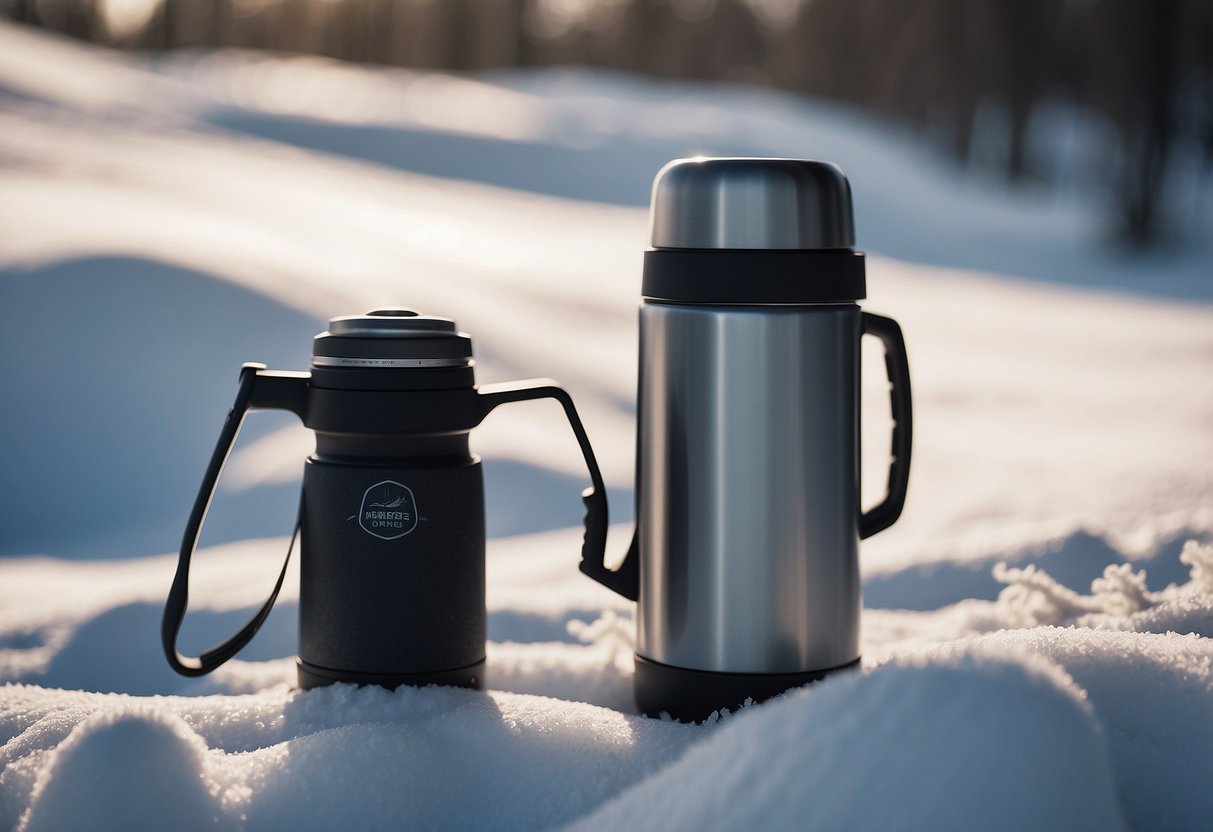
975, 74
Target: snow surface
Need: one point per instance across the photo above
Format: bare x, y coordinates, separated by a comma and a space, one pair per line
1038, 631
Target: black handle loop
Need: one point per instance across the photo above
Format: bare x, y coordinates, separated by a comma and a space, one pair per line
885, 514
593, 548
280, 390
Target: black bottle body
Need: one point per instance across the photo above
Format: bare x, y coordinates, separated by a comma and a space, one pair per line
392, 574
392, 521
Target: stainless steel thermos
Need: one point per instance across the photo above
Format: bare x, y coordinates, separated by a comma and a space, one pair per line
391, 520
747, 485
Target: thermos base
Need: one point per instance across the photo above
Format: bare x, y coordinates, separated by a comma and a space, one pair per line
692, 695
472, 676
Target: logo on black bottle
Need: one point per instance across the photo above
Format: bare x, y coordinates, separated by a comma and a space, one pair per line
388, 510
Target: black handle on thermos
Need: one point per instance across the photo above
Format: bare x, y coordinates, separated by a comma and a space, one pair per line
593, 548
885, 514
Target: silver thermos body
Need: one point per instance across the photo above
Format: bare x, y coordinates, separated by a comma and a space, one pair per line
748, 513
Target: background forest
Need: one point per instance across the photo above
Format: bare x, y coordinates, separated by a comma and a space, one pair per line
999, 85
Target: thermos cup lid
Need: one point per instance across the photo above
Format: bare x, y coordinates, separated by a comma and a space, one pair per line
750, 203
752, 231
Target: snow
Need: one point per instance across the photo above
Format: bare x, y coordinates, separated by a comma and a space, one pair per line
895, 748
1038, 630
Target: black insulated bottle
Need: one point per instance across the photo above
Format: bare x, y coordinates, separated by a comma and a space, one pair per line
391, 523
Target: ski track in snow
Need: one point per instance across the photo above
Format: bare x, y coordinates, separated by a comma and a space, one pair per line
1038, 637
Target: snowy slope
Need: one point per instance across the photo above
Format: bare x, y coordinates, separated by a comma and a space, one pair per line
162, 224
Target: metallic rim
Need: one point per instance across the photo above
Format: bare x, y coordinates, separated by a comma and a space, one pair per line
334, 361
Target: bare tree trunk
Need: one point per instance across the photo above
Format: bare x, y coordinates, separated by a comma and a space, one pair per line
1150, 142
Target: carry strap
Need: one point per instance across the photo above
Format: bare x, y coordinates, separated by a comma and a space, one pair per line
178, 596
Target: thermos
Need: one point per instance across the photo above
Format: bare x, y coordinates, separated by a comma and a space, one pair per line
745, 561
391, 520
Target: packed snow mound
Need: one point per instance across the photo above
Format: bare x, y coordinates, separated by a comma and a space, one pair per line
1153, 693
334, 758
917, 744
126, 767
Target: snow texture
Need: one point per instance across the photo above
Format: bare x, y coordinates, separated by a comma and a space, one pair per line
1038, 628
